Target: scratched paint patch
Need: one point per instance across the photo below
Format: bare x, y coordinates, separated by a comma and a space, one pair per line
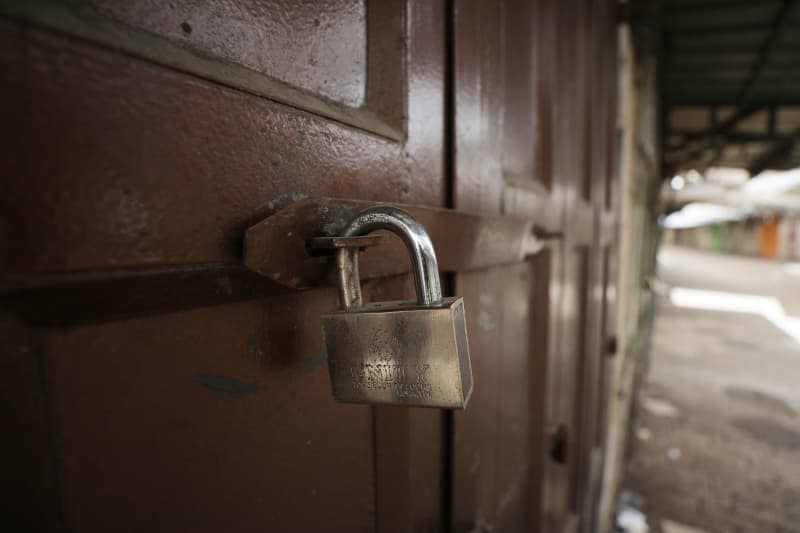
228, 386
315, 361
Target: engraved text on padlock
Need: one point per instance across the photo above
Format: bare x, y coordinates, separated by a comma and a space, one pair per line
402, 353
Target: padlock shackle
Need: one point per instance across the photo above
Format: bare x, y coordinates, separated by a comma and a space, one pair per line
419, 245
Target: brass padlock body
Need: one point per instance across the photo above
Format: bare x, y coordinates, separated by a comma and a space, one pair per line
400, 353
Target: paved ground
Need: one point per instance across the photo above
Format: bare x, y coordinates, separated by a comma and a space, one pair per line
717, 444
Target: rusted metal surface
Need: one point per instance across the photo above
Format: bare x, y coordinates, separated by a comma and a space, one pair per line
277, 246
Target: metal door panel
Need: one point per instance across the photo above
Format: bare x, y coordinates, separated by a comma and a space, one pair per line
134, 174
532, 77
498, 440
183, 421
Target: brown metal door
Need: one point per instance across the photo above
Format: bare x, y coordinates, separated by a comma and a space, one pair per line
503, 165
154, 383
533, 112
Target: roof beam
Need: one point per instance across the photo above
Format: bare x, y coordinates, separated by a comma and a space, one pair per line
692, 49
727, 125
777, 156
717, 30
733, 137
710, 98
714, 137
764, 51
697, 5
688, 83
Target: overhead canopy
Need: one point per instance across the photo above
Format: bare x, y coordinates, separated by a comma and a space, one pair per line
730, 82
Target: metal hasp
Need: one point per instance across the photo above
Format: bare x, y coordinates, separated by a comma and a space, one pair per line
290, 247
400, 353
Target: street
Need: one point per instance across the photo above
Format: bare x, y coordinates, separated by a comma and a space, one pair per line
716, 443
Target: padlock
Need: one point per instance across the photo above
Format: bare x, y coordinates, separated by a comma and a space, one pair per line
400, 353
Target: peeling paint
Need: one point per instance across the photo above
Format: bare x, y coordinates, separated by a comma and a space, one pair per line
315, 361
228, 386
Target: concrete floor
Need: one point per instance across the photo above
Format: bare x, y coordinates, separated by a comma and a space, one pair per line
717, 435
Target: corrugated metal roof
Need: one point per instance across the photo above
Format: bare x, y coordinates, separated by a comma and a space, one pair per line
725, 63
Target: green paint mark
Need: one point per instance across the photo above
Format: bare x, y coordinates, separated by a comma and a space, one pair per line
228, 386
717, 238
